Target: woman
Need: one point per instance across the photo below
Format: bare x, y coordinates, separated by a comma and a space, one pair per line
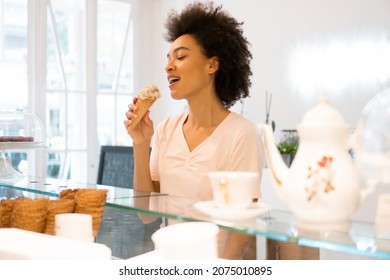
208, 66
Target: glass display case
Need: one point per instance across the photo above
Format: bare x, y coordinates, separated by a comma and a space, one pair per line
373, 139
18, 130
360, 240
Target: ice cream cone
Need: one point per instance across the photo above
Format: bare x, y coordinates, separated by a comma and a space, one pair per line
143, 107
146, 97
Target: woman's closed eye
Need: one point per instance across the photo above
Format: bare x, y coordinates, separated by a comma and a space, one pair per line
179, 57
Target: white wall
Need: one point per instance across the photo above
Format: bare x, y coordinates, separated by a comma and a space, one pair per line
344, 52
279, 32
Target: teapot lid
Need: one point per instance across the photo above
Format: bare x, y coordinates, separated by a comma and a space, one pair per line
322, 115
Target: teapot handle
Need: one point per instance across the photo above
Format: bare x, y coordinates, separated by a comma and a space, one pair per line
352, 142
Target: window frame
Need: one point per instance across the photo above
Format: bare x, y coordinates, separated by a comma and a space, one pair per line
38, 16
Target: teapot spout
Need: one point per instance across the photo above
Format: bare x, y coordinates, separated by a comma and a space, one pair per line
276, 163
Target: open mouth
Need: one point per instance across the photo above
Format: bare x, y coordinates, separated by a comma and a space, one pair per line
173, 80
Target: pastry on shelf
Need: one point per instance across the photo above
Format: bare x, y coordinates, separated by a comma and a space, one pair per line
16, 139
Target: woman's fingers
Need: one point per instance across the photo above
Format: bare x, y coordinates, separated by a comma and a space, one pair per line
147, 119
144, 125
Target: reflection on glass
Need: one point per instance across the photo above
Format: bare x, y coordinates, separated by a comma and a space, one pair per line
54, 163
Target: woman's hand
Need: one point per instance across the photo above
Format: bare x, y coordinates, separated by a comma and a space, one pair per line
144, 129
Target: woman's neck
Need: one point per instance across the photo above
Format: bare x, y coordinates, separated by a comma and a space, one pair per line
207, 112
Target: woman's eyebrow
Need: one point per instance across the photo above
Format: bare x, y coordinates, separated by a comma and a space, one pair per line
178, 49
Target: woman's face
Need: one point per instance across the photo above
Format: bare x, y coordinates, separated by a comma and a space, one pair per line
189, 71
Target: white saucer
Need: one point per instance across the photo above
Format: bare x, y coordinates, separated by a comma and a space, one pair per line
154, 255
231, 214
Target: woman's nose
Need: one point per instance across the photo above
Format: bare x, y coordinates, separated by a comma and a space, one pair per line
169, 66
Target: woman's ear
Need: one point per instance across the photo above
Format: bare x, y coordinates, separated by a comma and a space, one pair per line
213, 65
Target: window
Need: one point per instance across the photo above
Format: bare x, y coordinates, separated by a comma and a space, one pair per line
13, 54
115, 71
74, 85
70, 62
13, 66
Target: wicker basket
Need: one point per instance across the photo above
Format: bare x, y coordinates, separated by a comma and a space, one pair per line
29, 214
55, 207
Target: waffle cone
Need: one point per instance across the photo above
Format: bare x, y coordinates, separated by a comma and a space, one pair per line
6, 208
29, 214
143, 106
55, 207
91, 201
67, 194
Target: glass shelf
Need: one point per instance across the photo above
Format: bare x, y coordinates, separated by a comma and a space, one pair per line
279, 225
37, 187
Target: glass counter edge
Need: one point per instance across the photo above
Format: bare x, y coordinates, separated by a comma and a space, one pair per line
53, 187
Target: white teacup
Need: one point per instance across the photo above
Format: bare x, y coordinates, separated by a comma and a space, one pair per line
187, 241
74, 225
234, 189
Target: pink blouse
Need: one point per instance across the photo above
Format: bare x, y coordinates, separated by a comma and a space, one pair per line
235, 145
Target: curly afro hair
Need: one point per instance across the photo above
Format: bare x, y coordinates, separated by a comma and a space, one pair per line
220, 35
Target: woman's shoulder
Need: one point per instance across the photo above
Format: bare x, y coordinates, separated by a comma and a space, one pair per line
240, 121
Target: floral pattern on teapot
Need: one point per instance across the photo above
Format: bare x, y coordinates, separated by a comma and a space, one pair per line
319, 178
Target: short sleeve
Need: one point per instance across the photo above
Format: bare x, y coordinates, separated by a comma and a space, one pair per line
248, 152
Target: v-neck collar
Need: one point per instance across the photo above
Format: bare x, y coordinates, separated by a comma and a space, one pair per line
220, 126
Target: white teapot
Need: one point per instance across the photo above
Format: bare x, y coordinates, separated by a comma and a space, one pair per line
322, 186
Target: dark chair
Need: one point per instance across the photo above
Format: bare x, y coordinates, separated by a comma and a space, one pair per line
122, 230
116, 166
